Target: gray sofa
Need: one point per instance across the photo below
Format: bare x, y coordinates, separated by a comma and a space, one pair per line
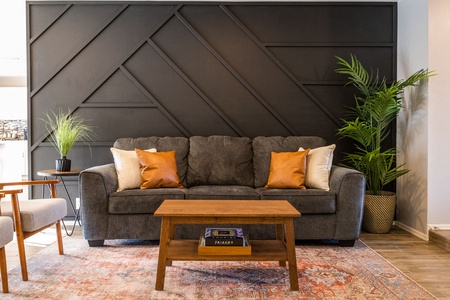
219, 167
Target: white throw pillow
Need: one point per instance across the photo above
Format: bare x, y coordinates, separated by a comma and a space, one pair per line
127, 168
318, 167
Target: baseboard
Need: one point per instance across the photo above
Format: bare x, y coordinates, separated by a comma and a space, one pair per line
440, 237
439, 226
421, 235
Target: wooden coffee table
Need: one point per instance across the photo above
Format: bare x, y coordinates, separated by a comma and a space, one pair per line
277, 212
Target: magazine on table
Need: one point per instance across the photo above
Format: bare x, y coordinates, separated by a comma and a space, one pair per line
224, 237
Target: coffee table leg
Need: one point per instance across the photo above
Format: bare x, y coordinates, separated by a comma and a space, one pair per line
290, 247
280, 236
163, 241
171, 237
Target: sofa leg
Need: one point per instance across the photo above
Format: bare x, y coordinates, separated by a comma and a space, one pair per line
346, 243
96, 243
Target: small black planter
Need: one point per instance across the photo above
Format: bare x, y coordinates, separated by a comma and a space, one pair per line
63, 164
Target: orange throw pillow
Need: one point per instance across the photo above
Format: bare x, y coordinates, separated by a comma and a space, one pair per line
158, 170
287, 170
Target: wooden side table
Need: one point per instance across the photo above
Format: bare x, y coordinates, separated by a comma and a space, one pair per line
61, 175
277, 212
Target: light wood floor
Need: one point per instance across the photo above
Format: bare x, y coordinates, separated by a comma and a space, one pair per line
34, 245
424, 262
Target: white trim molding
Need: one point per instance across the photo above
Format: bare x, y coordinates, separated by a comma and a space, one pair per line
439, 226
413, 231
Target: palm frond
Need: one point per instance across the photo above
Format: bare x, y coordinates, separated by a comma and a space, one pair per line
368, 123
364, 81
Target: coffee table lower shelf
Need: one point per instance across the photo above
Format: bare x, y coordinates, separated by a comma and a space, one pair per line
276, 212
262, 250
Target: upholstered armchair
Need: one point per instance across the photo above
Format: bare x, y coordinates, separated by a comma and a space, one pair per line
32, 216
6, 236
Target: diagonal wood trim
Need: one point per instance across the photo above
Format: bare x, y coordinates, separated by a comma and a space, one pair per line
235, 74
81, 144
195, 88
132, 52
328, 45
37, 35
75, 52
155, 101
276, 58
113, 69
279, 64
117, 105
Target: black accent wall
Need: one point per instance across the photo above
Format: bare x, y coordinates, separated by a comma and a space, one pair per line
198, 68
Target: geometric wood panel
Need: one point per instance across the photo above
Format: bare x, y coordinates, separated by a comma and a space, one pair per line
181, 69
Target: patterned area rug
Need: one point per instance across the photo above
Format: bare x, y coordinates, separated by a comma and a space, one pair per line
127, 270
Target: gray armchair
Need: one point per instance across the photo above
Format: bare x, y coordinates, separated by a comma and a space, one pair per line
6, 236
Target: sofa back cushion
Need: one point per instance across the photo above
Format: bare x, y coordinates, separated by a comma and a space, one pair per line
220, 160
161, 144
263, 146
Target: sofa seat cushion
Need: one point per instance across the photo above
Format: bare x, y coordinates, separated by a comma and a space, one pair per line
37, 213
220, 160
309, 201
6, 230
141, 201
225, 192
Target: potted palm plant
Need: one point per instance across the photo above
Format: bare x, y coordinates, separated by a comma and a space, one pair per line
368, 124
64, 130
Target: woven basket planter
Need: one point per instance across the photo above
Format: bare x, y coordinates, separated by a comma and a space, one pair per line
379, 211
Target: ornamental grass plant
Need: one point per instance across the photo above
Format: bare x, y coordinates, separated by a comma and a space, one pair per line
369, 122
65, 129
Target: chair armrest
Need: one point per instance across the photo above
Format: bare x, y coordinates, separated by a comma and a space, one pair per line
349, 186
50, 182
8, 192
13, 194
14, 203
95, 185
29, 182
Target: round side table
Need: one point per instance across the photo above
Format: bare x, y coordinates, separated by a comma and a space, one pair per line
61, 175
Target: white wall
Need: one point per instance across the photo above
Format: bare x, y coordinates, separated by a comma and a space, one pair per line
439, 113
412, 123
13, 100
13, 37
13, 155
13, 103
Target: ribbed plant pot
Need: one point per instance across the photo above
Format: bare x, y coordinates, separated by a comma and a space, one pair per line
63, 164
379, 211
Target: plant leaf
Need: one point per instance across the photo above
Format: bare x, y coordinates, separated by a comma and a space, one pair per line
368, 123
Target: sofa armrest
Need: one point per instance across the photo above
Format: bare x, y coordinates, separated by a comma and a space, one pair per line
349, 186
95, 185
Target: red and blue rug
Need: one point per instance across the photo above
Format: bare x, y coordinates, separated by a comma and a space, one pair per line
127, 270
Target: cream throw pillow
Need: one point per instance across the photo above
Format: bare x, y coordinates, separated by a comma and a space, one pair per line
318, 167
127, 168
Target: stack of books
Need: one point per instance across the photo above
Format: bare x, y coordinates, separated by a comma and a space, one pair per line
224, 241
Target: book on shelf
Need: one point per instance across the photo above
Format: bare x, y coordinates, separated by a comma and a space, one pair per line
245, 249
224, 242
224, 237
